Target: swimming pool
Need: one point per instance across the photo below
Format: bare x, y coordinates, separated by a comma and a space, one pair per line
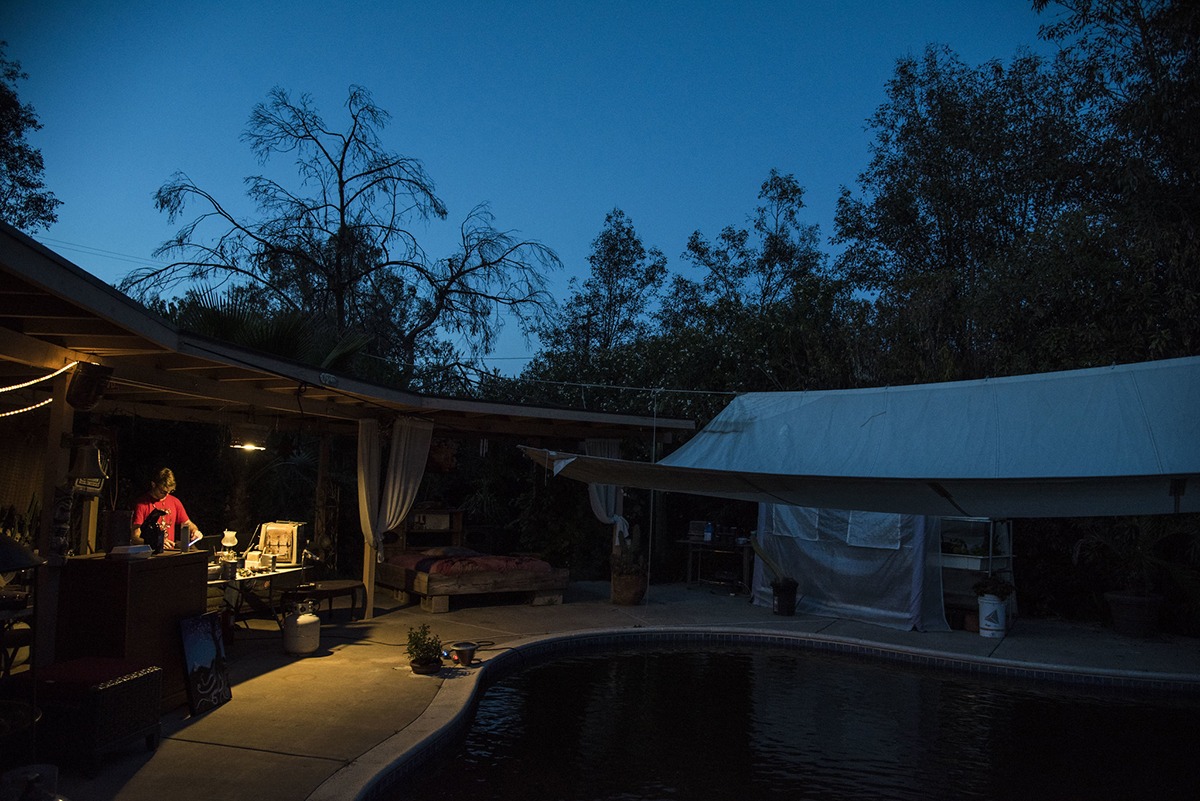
770, 723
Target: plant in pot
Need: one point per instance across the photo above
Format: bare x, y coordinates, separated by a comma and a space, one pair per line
629, 579
1126, 554
424, 650
993, 593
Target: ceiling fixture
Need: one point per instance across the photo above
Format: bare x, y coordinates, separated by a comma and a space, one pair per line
248, 437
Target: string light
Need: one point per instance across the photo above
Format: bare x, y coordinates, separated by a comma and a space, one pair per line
35, 381
26, 409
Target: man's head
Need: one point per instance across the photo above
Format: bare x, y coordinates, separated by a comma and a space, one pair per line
163, 483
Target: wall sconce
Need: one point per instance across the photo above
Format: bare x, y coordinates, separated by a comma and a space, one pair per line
87, 385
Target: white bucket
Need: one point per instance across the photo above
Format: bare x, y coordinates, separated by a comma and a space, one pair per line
993, 616
301, 633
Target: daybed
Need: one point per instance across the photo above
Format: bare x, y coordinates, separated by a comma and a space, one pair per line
433, 575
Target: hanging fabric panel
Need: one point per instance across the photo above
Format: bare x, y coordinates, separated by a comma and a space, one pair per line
382, 507
608, 503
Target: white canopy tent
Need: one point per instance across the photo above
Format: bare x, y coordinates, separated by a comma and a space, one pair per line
1102, 441
1106, 441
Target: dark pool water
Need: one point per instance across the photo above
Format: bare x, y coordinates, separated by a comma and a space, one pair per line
762, 725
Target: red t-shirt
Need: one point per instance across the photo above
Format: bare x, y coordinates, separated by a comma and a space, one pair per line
174, 515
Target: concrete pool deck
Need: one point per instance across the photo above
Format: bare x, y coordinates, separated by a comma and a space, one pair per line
326, 726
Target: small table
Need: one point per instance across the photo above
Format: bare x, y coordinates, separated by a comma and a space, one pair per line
328, 590
696, 549
241, 590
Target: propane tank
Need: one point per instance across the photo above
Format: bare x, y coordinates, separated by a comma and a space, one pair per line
301, 630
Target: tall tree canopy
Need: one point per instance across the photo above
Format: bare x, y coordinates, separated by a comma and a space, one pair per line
24, 200
599, 334
338, 243
765, 314
972, 171
1039, 214
1137, 63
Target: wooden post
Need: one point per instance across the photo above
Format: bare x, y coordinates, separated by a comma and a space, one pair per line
54, 473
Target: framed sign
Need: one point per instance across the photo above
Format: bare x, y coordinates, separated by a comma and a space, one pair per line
204, 662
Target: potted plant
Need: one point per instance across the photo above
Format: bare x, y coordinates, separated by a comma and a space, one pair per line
629, 579
424, 650
1126, 554
993, 593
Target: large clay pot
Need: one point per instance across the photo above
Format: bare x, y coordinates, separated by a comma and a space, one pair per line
628, 590
426, 668
1134, 614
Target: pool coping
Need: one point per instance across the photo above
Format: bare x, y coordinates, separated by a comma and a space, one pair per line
377, 773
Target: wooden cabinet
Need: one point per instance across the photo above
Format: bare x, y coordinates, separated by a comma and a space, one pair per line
131, 609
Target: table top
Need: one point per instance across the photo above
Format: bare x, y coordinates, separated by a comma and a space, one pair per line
714, 544
255, 576
328, 585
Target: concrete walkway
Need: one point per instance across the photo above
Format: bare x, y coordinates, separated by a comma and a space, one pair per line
326, 726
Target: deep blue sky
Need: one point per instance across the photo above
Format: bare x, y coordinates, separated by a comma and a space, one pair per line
552, 112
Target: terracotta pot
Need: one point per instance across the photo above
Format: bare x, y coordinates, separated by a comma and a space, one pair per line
628, 590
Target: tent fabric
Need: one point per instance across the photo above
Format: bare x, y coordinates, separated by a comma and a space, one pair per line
883, 569
1101, 441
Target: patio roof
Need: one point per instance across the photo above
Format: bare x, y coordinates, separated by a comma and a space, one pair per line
53, 313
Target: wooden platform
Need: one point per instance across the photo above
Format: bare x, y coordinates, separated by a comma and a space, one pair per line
434, 591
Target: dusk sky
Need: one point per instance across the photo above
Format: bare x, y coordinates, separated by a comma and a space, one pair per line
553, 113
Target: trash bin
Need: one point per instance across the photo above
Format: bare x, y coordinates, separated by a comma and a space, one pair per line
784, 600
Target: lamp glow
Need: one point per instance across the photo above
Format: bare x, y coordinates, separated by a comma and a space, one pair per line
229, 539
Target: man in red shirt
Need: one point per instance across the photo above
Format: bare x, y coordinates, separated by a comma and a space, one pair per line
158, 516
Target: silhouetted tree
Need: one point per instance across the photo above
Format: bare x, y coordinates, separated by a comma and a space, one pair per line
24, 201
1137, 64
598, 336
971, 235
344, 251
765, 314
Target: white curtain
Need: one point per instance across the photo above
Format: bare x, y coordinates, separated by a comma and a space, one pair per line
608, 503
382, 507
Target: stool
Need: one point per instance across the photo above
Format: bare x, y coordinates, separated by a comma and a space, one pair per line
92, 704
328, 590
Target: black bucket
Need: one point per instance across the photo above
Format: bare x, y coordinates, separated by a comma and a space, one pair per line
784, 600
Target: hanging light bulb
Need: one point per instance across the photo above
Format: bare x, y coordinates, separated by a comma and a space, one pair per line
248, 438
